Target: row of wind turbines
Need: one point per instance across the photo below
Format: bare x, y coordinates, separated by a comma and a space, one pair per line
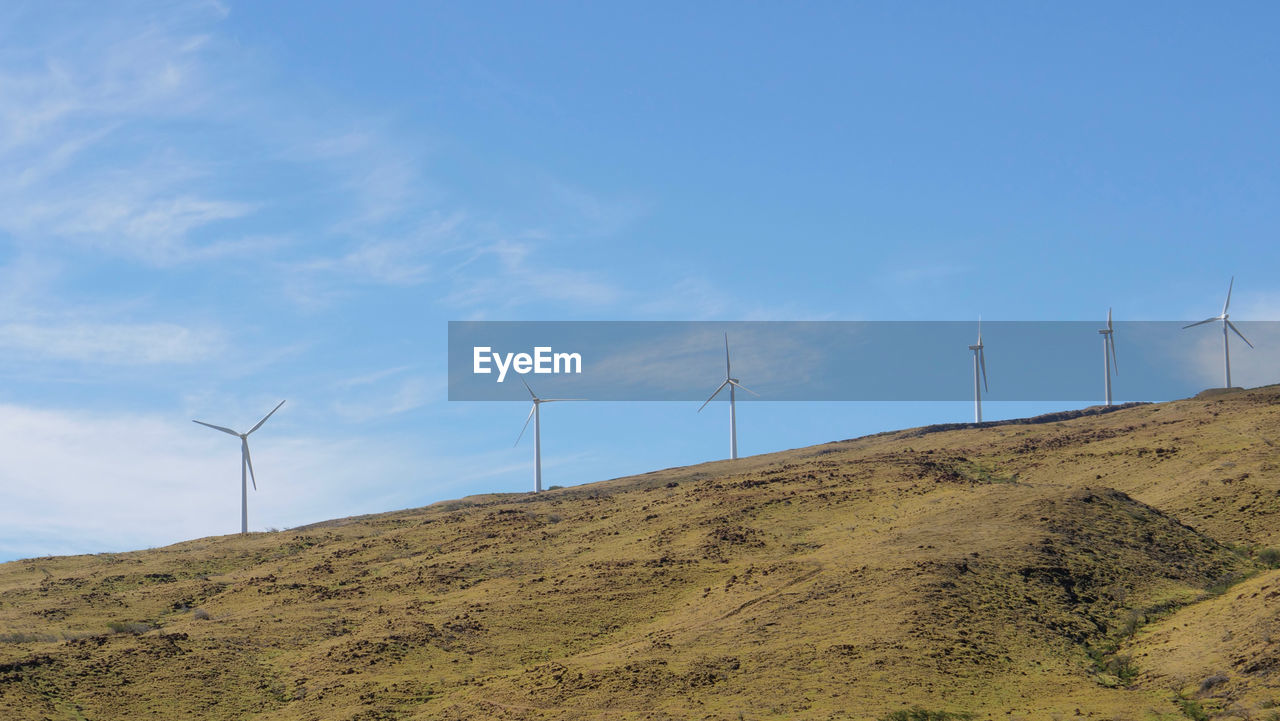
1110, 368
1110, 363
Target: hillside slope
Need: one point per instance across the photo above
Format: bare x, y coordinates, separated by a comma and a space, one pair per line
1070, 568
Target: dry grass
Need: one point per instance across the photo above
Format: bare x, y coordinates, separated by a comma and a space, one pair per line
1004, 571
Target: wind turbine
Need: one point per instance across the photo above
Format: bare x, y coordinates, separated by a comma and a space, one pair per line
1226, 323
979, 362
1110, 364
245, 463
536, 415
733, 383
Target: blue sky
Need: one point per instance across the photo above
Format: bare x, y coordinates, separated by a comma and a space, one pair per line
208, 207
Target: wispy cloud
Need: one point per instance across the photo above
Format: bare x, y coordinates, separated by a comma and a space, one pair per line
71, 121
137, 140
504, 275
386, 392
399, 261
111, 343
402, 396
137, 480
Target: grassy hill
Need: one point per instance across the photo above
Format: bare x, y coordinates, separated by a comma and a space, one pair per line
1106, 564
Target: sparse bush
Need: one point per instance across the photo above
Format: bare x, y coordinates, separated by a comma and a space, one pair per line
1132, 620
1192, 710
1122, 667
20, 637
554, 488
1214, 680
1225, 583
1269, 557
1244, 550
200, 614
915, 713
132, 627
554, 518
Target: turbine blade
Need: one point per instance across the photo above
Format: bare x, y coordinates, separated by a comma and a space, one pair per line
727, 372
982, 361
264, 418
1233, 327
1109, 319
525, 426
553, 400
1206, 320
713, 395
739, 385
1115, 364
526, 387
218, 428
1229, 287
244, 445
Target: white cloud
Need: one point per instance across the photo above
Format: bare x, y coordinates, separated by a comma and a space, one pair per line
386, 393
502, 276
75, 481
83, 157
111, 343
385, 263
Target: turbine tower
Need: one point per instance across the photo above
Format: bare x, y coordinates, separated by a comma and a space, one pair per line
1226, 323
733, 383
536, 415
979, 362
1110, 364
246, 463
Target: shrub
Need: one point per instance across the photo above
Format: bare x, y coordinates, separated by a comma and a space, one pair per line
1269, 557
21, 637
1192, 710
200, 614
1122, 667
133, 627
915, 713
1132, 620
1214, 680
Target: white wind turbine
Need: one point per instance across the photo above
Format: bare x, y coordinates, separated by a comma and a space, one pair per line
246, 463
536, 415
1110, 364
1226, 323
979, 362
733, 383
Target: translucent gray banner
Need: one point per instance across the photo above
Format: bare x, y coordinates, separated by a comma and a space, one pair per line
851, 360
